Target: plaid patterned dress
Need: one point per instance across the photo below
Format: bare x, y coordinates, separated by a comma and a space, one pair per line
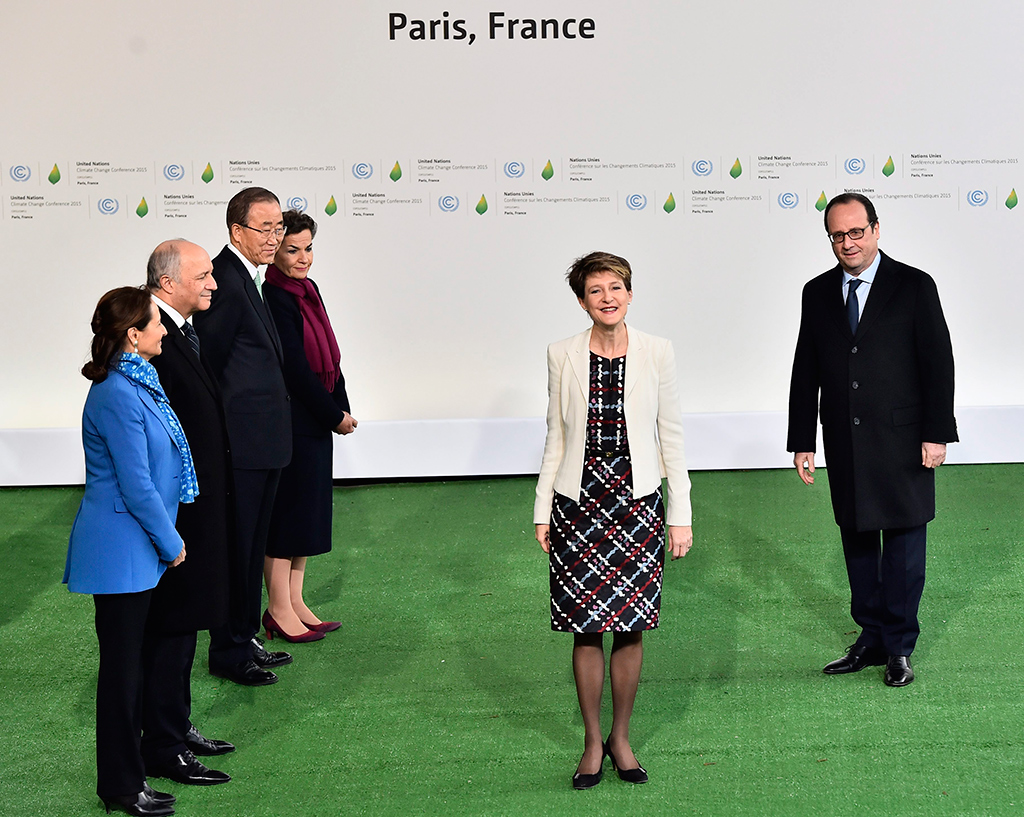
607, 551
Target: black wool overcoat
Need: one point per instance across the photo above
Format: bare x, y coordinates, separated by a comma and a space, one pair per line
878, 394
195, 594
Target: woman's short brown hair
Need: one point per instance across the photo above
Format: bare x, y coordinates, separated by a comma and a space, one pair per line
594, 263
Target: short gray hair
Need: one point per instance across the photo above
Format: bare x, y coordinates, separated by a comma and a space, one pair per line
165, 260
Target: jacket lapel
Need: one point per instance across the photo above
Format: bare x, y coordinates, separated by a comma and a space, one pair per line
184, 348
258, 304
882, 288
636, 358
150, 403
579, 359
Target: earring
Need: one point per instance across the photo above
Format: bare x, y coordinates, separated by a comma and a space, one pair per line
136, 346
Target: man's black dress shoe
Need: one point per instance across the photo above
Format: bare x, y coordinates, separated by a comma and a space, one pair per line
247, 674
898, 672
266, 659
856, 659
159, 796
205, 747
186, 769
138, 805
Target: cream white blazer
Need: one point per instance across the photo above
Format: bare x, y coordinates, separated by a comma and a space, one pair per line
653, 423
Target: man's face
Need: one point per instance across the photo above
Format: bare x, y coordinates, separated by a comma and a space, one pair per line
195, 290
260, 236
854, 256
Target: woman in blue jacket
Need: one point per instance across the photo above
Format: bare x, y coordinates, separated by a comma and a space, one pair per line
138, 467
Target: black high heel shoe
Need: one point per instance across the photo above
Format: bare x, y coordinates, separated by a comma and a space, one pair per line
142, 804
588, 781
637, 775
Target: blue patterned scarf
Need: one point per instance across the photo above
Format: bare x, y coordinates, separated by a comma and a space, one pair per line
140, 371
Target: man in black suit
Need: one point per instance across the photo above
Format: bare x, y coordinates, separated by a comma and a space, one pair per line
873, 343
180, 279
242, 346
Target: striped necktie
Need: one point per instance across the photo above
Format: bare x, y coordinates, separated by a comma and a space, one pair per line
191, 336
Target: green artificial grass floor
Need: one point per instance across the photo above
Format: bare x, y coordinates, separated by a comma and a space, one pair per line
446, 693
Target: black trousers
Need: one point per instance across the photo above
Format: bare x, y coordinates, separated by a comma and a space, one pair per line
231, 645
167, 695
886, 571
120, 629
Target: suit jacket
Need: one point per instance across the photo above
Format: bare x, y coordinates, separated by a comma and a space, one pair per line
882, 393
240, 343
653, 423
315, 411
194, 596
123, 535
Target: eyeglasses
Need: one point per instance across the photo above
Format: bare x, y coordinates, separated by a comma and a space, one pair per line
855, 234
276, 232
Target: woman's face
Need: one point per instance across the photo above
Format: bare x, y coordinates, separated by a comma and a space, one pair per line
295, 255
150, 338
606, 299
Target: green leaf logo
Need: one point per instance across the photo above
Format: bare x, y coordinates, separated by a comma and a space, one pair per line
737, 169
207, 174
396, 172
143, 209
547, 172
54, 176
332, 207
481, 206
1011, 200
821, 203
888, 168
670, 203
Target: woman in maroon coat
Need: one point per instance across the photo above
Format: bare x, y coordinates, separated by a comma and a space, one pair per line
301, 522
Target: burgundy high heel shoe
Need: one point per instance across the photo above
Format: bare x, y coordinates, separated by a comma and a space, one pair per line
273, 628
324, 626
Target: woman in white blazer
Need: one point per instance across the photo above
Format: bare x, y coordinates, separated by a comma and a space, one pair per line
614, 430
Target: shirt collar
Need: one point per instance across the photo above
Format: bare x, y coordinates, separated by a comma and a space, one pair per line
170, 310
249, 266
868, 275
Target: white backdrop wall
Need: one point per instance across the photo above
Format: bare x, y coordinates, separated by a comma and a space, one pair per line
444, 237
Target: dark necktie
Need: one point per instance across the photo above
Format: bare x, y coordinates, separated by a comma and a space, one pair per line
191, 336
853, 305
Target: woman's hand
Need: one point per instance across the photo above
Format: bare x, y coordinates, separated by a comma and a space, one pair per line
544, 537
680, 540
180, 557
347, 425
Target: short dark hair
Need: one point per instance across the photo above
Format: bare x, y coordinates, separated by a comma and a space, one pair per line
594, 263
296, 222
242, 202
117, 312
850, 198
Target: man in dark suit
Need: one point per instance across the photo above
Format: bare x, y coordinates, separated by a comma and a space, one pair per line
874, 345
241, 343
180, 279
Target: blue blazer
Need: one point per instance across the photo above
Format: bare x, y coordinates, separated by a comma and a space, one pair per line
123, 536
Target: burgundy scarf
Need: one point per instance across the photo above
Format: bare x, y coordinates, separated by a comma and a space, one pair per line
317, 336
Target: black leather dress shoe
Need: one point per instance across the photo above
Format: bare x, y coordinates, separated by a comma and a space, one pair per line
205, 747
898, 672
856, 659
159, 796
247, 674
266, 659
138, 805
186, 769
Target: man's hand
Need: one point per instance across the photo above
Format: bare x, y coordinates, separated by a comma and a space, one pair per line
933, 454
804, 462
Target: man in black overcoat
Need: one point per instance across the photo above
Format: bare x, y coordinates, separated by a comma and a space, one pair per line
180, 279
874, 361
244, 351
